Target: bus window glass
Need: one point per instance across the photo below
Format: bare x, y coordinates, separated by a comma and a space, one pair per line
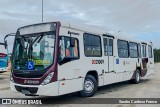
71, 52
139, 50
110, 48
123, 49
92, 45
150, 51
105, 46
36, 48
133, 50
144, 51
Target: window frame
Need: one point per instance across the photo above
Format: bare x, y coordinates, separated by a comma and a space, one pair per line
85, 45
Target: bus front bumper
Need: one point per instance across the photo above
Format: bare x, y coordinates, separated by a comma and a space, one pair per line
50, 89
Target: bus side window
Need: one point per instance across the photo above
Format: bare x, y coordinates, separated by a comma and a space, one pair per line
92, 45
150, 51
144, 51
139, 50
123, 50
133, 50
66, 52
110, 48
105, 46
71, 52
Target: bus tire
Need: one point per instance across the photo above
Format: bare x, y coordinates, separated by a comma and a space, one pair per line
89, 87
136, 79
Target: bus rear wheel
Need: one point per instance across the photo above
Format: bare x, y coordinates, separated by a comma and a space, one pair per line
89, 87
136, 79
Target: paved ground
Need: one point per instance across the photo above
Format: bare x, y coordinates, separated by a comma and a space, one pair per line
147, 88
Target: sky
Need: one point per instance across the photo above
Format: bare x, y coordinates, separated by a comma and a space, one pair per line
138, 19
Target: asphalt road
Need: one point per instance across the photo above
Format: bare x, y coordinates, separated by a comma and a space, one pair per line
147, 88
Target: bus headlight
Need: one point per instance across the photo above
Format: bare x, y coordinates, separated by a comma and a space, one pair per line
47, 79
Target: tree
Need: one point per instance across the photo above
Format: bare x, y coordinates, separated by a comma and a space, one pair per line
156, 55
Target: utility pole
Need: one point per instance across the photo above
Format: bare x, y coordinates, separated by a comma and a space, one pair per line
42, 11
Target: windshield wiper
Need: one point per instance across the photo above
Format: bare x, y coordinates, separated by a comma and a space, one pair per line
40, 36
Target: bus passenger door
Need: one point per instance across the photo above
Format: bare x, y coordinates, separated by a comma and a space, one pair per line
144, 60
151, 60
109, 73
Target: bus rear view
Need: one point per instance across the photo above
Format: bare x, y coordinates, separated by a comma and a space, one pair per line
3, 62
3, 58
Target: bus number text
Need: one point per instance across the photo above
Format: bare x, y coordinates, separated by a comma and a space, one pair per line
97, 61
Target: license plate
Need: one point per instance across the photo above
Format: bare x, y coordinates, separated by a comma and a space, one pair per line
25, 92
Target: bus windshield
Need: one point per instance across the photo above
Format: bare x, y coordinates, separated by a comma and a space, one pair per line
34, 51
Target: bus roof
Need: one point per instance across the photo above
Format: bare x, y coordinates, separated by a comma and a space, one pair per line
100, 32
92, 31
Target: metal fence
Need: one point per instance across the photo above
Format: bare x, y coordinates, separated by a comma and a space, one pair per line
156, 58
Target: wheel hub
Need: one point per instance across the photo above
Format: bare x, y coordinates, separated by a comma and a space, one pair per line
88, 86
137, 76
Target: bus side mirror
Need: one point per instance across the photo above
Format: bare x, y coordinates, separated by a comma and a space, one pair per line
72, 42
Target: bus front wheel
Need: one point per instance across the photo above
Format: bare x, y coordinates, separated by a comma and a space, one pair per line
89, 87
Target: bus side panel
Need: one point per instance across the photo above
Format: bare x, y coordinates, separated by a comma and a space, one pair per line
100, 80
134, 60
118, 64
69, 73
150, 64
133, 63
69, 86
74, 71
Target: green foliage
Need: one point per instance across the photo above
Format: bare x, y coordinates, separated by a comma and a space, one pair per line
156, 55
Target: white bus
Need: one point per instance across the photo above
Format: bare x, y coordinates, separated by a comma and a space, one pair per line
52, 59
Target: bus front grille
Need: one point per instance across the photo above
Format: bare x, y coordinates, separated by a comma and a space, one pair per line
32, 90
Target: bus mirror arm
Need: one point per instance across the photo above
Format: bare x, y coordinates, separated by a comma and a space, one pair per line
5, 44
72, 40
5, 41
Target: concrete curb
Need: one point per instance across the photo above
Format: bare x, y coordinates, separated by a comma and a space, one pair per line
6, 73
